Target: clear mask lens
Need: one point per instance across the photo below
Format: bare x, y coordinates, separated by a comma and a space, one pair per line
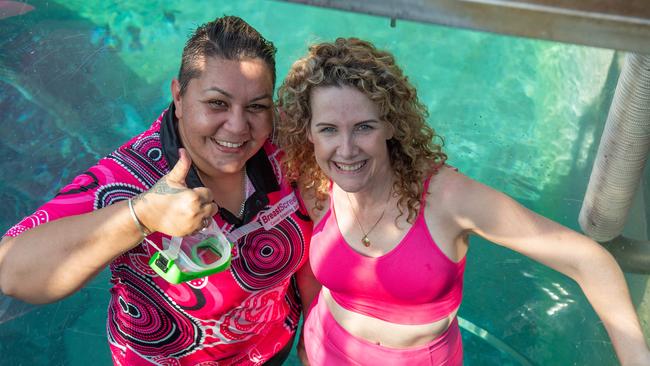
193, 256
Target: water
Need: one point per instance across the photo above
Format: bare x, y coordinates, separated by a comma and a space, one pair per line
77, 78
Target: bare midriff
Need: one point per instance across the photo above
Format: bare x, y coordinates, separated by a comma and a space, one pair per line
385, 333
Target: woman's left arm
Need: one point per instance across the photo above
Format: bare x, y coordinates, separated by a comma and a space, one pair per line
499, 219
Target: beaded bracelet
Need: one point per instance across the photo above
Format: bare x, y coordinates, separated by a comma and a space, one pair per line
142, 228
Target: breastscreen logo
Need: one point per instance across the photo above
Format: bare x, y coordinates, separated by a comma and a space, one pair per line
279, 211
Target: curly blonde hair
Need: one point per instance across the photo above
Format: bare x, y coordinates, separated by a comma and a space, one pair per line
357, 63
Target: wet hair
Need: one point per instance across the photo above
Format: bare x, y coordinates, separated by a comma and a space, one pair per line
228, 37
356, 63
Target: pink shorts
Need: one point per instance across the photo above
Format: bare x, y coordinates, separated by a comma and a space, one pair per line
327, 343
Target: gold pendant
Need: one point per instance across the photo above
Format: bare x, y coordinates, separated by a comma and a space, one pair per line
365, 241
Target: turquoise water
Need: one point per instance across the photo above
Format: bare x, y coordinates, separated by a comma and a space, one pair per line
78, 78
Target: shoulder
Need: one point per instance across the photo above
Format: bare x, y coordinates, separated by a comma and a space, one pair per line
140, 161
473, 205
448, 184
458, 197
143, 148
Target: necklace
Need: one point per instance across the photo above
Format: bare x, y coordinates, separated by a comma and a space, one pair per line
365, 240
243, 202
242, 207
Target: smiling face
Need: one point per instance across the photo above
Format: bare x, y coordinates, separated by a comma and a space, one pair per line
225, 114
349, 138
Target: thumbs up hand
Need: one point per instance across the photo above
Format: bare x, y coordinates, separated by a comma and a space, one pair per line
172, 208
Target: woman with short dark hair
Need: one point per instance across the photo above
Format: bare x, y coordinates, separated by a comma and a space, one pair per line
207, 157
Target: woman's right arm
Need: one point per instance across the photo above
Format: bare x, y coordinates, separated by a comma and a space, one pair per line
55, 259
308, 285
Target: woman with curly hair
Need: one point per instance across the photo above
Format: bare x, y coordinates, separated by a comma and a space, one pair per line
392, 221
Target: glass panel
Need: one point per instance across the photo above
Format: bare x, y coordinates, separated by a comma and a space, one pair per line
78, 78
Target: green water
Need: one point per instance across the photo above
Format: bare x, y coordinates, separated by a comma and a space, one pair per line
77, 78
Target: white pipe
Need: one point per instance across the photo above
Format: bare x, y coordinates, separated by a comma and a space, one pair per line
622, 153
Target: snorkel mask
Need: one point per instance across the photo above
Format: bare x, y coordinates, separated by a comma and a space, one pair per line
189, 257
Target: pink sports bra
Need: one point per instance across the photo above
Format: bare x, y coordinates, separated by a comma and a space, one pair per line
415, 283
